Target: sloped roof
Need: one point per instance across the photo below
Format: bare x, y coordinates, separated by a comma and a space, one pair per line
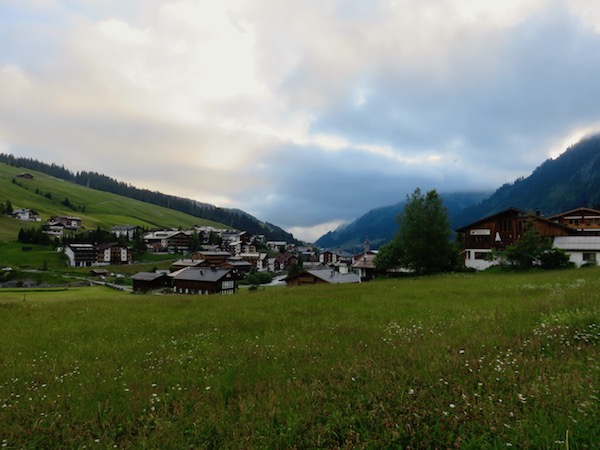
330, 276
591, 243
147, 276
199, 274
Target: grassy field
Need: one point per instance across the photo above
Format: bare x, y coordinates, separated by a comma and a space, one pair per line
469, 361
102, 209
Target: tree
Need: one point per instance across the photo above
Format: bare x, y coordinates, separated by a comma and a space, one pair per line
527, 251
422, 243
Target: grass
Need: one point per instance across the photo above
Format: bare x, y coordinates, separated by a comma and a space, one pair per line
468, 361
102, 209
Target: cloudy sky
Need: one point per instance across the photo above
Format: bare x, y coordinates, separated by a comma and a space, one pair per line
307, 113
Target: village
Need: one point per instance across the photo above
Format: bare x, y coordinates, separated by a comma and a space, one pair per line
213, 261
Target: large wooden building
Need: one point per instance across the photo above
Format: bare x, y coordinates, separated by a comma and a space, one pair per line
500, 230
321, 276
205, 281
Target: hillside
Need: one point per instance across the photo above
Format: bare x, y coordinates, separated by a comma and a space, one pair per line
232, 218
567, 182
379, 225
45, 195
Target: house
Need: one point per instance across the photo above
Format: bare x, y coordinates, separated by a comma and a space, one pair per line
26, 215
584, 220
238, 264
114, 253
81, 255
582, 250
328, 257
321, 276
212, 258
148, 281
127, 231
276, 245
52, 228
284, 261
502, 229
70, 222
205, 281
364, 266
167, 241
183, 263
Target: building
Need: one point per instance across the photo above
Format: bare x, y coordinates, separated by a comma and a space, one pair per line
500, 230
584, 220
114, 254
148, 281
321, 276
81, 255
165, 241
127, 231
582, 250
70, 222
364, 266
205, 281
26, 215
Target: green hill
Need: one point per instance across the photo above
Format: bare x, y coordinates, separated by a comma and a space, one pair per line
46, 195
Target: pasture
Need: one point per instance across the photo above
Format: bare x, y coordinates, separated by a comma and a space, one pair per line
463, 360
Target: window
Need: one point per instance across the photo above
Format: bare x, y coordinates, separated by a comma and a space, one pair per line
480, 255
227, 285
589, 257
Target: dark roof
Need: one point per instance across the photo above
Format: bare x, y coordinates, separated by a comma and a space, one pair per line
147, 276
200, 274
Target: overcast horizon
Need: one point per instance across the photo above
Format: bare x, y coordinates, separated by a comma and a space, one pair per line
306, 115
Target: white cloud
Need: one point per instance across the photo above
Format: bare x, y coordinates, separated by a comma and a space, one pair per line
306, 114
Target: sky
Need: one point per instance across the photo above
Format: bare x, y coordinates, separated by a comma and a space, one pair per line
306, 114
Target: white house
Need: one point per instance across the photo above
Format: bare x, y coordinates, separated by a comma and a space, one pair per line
582, 250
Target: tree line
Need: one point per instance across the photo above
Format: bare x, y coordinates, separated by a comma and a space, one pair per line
232, 218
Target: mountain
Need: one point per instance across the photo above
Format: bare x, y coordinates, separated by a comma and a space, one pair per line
232, 218
557, 185
379, 225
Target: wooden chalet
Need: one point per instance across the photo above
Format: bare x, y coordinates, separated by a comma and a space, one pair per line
201, 281
584, 220
321, 276
148, 281
501, 230
212, 258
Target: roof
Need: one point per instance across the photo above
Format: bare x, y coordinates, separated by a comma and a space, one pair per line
199, 274
591, 243
188, 262
577, 211
147, 276
365, 262
330, 276
519, 213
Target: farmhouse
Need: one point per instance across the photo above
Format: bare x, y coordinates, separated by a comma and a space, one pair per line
321, 276
167, 241
584, 220
148, 281
70, 222
503, 229
26, 214
205, 281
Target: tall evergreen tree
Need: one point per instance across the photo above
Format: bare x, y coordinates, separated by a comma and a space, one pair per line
422, 243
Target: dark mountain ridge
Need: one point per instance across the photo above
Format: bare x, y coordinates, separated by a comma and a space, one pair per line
379, 225
570, 181
234, 218
567, 182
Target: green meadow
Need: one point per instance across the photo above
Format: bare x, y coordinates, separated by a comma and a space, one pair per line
454, 361
45, 193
